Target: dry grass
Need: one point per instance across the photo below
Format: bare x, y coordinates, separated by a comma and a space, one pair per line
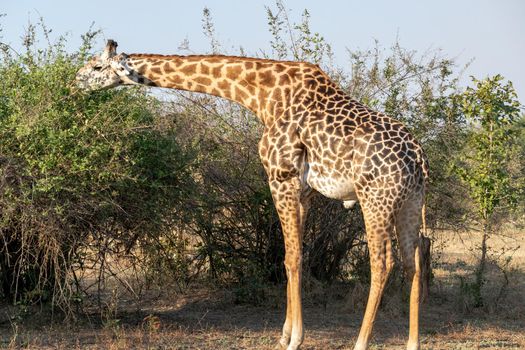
209, 319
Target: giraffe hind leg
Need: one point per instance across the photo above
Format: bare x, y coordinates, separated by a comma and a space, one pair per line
379, 230
407, 230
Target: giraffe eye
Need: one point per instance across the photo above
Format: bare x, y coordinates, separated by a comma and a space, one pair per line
97, 68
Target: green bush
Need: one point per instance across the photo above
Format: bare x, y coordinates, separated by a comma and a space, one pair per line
176, 189
78, 171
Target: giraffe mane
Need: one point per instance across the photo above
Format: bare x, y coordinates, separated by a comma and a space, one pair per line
233, 57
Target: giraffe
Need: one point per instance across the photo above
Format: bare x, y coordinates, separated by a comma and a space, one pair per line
315, 139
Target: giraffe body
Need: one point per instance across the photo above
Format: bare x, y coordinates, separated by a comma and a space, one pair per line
315, 139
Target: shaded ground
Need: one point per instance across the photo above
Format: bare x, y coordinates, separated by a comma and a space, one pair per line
205, 319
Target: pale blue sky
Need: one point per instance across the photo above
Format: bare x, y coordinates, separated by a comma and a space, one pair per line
491, 32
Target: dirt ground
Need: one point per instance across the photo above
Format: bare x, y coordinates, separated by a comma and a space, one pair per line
202, 318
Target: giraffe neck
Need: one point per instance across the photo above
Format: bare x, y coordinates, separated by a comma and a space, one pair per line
263, 86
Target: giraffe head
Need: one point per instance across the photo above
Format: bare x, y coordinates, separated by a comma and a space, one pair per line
105, 71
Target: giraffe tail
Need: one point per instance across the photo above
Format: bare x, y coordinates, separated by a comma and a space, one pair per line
424, 241
424, 219
425, 172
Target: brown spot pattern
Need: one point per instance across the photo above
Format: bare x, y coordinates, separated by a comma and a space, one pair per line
318, 138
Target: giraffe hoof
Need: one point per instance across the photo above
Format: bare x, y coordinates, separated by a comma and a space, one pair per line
413, 346
360, 346
280, 346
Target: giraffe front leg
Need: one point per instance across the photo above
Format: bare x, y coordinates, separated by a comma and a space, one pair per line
287, 327
292, 213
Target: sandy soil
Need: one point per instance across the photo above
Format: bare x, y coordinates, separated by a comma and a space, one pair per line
202, 318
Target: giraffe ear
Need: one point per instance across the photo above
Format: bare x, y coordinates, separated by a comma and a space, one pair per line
110, 50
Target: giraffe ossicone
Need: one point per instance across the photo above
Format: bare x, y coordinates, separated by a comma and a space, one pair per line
316, 139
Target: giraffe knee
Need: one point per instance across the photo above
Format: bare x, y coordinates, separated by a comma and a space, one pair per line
413, 256
409, 262
293, 262
381, 270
